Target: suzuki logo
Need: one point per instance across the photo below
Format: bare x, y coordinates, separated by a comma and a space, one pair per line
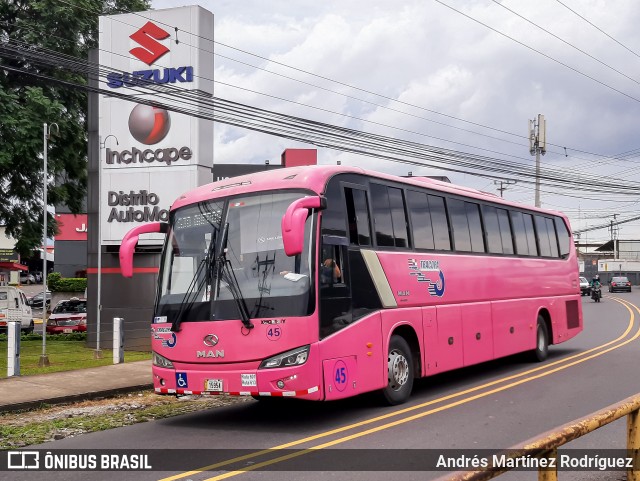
210, 340
146, 37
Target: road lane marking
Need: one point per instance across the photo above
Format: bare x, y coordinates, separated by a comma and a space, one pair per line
545, 367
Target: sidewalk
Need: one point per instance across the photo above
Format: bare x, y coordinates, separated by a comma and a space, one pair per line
24, 392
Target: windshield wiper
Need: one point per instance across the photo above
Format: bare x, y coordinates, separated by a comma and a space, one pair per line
225, 272
192, 293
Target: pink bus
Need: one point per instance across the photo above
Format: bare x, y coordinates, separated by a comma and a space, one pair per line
326, 282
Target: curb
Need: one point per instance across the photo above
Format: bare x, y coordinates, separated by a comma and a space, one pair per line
72, 398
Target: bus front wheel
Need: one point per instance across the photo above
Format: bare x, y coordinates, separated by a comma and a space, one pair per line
541, 351
400, 371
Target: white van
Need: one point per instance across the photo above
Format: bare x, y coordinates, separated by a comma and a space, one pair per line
14, 307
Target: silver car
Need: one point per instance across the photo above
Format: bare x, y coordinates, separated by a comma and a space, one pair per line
585, 287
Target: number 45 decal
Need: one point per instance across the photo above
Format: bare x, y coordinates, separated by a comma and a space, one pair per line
274, 333
341, 375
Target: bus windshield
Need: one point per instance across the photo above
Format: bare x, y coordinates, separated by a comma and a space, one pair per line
201, 279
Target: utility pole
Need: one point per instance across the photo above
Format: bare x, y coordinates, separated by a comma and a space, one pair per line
537, 146
503, 185
614, 236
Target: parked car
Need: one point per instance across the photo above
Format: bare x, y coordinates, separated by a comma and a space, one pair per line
27, 278
585, 287
36, 301
38, 276
14, 307
619, 284
68, 316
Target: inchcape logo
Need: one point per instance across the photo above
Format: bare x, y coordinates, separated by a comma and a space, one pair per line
147, 37
149, 125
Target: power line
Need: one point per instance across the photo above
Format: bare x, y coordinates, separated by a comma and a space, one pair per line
539, 52
339, 82
73, 63
364, 120
296, 128
598, 28
565, 42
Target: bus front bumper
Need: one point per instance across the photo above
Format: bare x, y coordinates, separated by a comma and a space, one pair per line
239, 380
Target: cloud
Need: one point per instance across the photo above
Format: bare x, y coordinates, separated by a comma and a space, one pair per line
435, 61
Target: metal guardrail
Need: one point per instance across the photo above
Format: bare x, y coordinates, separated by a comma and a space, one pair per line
546, 445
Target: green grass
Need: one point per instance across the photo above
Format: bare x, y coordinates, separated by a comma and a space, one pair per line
123, 411
63, 356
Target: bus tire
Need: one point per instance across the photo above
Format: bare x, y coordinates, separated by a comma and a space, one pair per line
399, 372
541, 351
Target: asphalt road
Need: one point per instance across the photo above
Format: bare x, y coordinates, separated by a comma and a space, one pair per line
491, 406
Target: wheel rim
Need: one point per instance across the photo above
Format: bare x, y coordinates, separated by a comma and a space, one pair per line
398, 370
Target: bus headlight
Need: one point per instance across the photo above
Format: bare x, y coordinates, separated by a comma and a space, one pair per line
295, 357
161, 361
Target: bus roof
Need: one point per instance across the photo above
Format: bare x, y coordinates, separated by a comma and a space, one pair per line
315, 178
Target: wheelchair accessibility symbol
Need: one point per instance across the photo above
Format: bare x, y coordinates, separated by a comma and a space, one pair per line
181, 380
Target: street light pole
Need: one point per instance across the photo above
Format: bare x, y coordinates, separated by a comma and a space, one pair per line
97, 354
44, 359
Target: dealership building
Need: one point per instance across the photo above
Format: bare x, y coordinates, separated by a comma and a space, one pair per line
144, 154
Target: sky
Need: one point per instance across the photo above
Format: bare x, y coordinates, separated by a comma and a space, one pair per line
468, 80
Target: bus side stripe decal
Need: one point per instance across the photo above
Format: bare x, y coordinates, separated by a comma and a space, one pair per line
379, 278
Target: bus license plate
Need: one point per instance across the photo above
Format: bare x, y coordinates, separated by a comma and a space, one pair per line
214, 385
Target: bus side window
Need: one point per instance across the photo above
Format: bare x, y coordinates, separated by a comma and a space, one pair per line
334, 291
552, 237
358, 216
564, 238
441, 228
531, 235
420, 220
519, 233
331, 266
492, 229
505, 231
543, 236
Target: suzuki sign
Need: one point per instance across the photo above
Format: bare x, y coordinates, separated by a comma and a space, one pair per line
159, 153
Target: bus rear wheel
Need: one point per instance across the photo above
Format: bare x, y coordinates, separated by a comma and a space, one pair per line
400, 372
541, 351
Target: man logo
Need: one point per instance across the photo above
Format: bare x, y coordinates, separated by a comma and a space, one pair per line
149, 125
147, 37
210, 340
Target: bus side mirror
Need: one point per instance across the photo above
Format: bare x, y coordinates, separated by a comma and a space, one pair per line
130, 240
293, 223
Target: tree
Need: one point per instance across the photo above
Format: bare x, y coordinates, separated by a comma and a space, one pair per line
26, 102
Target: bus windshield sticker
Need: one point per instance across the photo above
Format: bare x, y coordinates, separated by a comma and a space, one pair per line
428, 271
170, 343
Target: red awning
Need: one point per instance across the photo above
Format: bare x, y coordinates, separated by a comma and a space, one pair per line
13, 266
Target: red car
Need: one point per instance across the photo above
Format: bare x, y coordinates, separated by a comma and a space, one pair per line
68, 316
